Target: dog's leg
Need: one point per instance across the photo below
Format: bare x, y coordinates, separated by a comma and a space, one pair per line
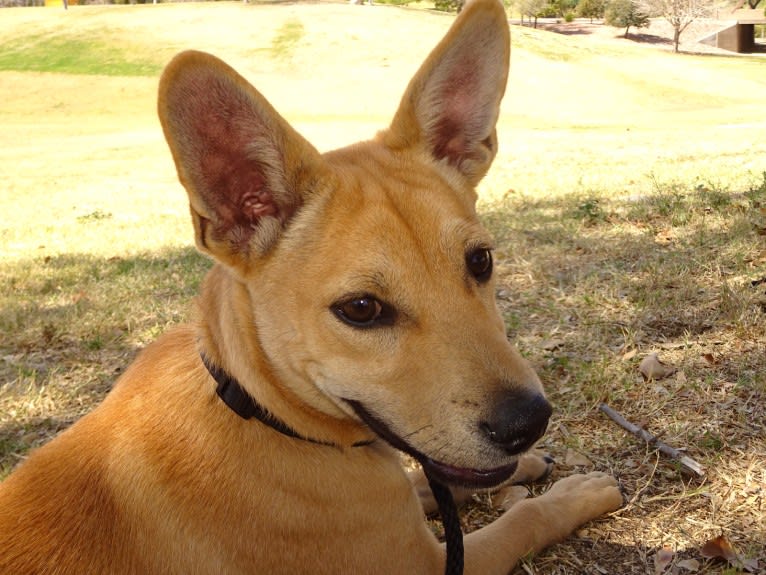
533, 466
533, 524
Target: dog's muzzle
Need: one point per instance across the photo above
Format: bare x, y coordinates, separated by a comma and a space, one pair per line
512, 436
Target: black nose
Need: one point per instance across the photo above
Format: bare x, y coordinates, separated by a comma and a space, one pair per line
519, 419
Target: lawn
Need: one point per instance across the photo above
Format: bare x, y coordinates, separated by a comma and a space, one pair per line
628, 202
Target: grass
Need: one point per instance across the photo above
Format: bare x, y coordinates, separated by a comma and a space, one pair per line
675, 271
628, 202
70, 54
287, 38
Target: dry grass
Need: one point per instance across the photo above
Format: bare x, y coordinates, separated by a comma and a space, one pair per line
627, 202
677, 272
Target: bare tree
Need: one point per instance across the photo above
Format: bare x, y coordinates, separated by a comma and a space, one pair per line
680, 13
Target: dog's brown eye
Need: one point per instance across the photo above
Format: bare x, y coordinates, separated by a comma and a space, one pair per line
479, 263
364, 311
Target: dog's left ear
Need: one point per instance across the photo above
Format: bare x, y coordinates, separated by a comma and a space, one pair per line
451, 106
246, 170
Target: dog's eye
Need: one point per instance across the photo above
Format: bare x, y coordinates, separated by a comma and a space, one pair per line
363, 311
479, 263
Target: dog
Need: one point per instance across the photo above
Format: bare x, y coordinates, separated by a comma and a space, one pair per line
350, 313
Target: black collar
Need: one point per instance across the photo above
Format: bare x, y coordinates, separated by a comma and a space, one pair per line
240, 402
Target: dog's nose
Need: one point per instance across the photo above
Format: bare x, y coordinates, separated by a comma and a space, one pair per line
518, 421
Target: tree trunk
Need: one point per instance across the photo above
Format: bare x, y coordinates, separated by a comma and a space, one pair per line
676, 38
626, 31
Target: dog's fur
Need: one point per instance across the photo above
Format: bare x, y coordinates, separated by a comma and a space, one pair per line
350, 283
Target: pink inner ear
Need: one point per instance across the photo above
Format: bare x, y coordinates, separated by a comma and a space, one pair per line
233, 185
236, 189
457, 107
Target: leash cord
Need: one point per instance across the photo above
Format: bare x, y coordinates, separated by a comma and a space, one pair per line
451, 520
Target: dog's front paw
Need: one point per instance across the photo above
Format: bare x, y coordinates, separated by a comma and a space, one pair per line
533, 466
588, 496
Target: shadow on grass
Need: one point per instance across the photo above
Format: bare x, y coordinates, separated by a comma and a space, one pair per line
70, 324
589, 285
585, 281
80, 298
673, 263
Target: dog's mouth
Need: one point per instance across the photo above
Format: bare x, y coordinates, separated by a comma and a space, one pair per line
446, 474
476, 478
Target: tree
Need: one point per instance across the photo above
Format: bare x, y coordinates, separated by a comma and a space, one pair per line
532, 9
624, 14
561, 8
679, 13
591, 9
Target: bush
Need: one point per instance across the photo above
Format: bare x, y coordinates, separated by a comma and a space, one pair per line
449, 5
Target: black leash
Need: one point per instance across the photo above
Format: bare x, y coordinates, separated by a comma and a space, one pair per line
240, 402
453, 534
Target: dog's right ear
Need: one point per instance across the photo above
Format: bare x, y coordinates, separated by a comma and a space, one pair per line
245, 169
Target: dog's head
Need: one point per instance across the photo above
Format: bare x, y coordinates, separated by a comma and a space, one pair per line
369, 273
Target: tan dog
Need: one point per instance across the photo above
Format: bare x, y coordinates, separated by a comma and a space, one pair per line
353, 302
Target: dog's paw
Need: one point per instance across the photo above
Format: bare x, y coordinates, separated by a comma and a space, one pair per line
533, 466
588, 495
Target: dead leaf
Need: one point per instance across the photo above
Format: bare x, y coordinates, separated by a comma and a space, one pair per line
652, 368
574, 459
662, 560
709, 359
719, 548
680, 378
689, 564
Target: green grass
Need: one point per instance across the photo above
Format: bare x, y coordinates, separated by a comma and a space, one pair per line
286, 39
72, 54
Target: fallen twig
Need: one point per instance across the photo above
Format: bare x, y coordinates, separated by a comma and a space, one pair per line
687, 462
